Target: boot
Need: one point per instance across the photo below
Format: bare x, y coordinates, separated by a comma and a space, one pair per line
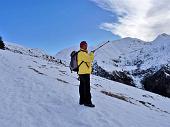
81, 102
90, 105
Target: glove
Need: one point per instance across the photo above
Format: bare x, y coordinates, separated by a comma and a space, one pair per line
93, 51
91, 55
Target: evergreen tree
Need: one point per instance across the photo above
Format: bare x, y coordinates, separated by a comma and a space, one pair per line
2, 45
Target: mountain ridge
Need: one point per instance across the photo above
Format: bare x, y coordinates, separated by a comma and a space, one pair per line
132, 57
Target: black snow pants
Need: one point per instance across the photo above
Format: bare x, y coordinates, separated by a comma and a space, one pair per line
84, 89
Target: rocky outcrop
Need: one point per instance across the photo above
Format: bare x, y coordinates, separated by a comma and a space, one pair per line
118, 76
153, 81
159, 82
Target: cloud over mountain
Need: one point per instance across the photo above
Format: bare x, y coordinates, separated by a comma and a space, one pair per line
140, 19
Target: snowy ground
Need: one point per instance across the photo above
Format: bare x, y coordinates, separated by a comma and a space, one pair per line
38, 93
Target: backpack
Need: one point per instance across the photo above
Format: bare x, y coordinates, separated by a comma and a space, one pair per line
74, 61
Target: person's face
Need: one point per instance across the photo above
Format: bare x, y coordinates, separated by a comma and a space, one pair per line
84, 47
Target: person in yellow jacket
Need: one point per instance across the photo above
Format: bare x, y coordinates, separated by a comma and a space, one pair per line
85, 61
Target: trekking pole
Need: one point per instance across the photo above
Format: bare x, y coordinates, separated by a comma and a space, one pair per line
100, 46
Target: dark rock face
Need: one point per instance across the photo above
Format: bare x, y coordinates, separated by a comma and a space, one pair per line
156, 81
143, 73
159, 82
122, 77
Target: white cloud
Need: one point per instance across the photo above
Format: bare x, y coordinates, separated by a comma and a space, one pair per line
143, 19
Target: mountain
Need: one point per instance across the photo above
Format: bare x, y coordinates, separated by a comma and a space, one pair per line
37, 90
130, 60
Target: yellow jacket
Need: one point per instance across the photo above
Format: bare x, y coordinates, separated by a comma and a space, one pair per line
86, 66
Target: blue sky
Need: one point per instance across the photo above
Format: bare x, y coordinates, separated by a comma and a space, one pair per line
53, 25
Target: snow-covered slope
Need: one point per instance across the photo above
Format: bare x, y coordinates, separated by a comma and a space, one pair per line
35, 92
26, 51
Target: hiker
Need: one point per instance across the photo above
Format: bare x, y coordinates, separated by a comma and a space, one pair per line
85, 61
2, 45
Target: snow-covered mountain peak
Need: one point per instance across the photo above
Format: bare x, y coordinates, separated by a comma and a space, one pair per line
162, 38
129, 39
164, 35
